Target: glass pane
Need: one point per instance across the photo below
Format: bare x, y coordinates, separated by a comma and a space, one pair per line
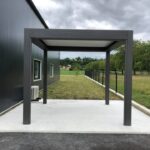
51, 70
37, 69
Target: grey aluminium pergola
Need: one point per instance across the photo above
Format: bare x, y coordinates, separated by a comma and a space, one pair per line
77, 40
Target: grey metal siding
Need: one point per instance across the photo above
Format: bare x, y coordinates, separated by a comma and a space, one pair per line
14, 17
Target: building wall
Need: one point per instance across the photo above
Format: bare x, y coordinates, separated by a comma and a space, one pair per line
14, 17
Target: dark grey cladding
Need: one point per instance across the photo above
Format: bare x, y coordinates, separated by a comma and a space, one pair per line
14, 17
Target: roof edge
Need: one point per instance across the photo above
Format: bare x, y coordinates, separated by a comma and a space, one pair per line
37, 13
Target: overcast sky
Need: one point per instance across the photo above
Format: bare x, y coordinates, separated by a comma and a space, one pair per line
97, 14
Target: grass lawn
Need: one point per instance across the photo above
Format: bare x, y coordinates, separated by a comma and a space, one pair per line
73, 72
76, 87
141, 88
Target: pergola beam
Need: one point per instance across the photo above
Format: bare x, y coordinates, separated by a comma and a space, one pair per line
115, 45
70, 34
39, 43
76, 49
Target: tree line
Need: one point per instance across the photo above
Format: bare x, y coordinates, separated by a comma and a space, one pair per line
77, 63
141, 58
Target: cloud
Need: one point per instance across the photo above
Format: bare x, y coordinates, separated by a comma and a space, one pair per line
96, 55
94, 24
47, 5
142, 36
98, 14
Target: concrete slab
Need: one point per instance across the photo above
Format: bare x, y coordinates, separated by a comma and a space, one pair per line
76, 116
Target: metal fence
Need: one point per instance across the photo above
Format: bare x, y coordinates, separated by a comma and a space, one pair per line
99, 76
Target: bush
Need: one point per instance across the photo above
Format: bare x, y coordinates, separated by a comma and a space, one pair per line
96, 65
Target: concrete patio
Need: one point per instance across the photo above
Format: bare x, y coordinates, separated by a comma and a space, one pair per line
76, 116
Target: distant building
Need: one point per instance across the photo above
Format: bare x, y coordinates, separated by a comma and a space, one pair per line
68, 67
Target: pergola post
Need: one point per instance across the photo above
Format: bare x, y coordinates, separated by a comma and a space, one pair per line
27, 79
45, 77
107, 72
128, 80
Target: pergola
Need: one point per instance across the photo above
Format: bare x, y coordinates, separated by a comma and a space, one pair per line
77, 40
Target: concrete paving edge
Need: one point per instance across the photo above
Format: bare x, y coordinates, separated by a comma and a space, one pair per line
135, 104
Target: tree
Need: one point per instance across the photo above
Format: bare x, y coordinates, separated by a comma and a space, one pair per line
95, 65
78, 62
141, 59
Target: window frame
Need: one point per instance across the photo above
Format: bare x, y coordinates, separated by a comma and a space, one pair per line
40, 70
51, 75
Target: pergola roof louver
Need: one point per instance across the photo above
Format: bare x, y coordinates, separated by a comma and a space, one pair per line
77, 43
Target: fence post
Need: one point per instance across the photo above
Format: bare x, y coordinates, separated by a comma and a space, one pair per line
90, 73
93, 74
116, 78
98, 75
102, 76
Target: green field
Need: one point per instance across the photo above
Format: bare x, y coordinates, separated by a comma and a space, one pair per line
76, 87
72, 86
73, 72
140, 89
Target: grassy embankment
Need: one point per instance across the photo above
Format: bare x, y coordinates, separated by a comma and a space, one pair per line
76, 87
73, 72
140, 89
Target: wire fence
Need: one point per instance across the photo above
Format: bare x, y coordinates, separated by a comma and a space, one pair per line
99, 76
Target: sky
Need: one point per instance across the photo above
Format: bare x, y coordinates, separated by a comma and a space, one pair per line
97, 14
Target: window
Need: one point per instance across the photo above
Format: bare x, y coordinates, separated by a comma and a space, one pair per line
37, 70
51, 70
